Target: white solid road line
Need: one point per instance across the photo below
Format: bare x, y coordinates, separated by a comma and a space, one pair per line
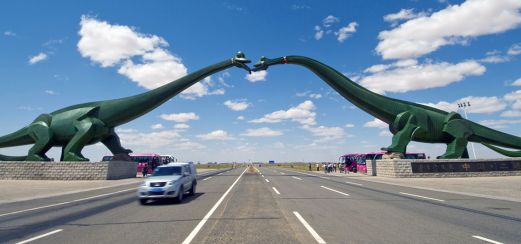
262, 176
434, 199
327, 188
275, 190
207, 178
40, 236
309, 228
197, 228
63, 203
352, 183
323, 177
282, 173
487, 240
267, 180
294, 177
220, 174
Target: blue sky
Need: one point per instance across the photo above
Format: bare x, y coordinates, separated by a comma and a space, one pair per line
59, 53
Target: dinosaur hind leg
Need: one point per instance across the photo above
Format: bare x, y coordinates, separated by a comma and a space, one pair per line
42, 135
113, 143
404, 135
457, 148
86, 130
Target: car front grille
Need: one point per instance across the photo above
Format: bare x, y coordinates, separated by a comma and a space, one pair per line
157, 184
156, 193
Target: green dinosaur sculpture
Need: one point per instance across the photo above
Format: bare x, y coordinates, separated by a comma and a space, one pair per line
407, 120
79, 125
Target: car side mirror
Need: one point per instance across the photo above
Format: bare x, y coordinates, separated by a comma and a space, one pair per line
186, 173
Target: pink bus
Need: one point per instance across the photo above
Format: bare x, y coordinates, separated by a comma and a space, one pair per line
357, 162
142, 159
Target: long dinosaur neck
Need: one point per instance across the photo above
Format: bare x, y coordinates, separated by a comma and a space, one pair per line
379, 106
119, 111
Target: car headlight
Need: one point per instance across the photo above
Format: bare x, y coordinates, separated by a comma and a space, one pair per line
171, 183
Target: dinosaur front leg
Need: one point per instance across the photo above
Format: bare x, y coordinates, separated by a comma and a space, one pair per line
86, 130
40, 132
457, 148
405, 124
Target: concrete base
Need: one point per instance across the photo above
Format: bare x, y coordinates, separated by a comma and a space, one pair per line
113, 170
407, 168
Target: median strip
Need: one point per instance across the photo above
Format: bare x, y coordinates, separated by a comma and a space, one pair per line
40, 236
309, 228
327, 188
197, 228
429, 198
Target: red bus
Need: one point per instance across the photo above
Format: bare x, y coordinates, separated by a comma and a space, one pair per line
357, 162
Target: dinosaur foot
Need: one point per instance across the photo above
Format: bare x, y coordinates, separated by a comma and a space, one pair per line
36, 157
73, 157
121, 157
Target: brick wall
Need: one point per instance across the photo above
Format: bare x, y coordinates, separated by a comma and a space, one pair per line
112, 170
401, 168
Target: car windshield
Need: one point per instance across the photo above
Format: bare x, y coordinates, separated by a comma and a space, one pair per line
162, 171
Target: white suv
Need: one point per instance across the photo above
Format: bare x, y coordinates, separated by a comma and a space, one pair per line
169, 181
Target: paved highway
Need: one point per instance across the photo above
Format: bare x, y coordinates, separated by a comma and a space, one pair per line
266, 206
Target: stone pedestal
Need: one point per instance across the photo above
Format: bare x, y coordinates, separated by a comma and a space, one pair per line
406, 168
112, 170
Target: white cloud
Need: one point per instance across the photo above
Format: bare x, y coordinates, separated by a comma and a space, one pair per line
330, 20
315, 95
346, 31
514, 49
9, 33
376, 123
326, 133
110, 45
319, 33
180, 117
511, 113
257, 76
240, 118
38, 58
409, 76
385, 133
349, 125
452, 25
517, 82
50, 92
302, 113
188, 146
152, 140
216, 135
181, 126
261, 132
514, 98
238, 105
499, 124
157, 126
404, 14
495, 59
479, 105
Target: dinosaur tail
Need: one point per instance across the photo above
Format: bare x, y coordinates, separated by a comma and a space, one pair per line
494, 139
17, 138
503, 151
12, 158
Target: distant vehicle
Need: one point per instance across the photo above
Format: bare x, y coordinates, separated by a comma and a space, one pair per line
169, 181
271, 162
150, 159
357, 162
166, 159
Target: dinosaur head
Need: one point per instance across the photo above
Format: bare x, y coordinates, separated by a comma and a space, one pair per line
264, 63
240, 61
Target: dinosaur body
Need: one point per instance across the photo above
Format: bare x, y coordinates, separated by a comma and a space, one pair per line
407, 120
79, 125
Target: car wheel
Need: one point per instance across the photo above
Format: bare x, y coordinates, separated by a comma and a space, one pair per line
143, 201
192, 191
179, 197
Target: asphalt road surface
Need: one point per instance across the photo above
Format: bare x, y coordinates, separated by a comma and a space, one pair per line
265, 206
